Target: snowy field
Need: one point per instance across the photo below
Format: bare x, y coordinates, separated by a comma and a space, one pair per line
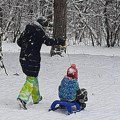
99, 73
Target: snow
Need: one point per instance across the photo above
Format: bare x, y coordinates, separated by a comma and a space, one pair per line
99, 73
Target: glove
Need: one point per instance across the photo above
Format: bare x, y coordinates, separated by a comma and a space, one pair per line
61, 41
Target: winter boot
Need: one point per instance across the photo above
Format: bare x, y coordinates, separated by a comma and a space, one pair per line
83, 105
39, 100
22, 104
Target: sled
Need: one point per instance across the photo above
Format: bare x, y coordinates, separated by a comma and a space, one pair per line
65, 105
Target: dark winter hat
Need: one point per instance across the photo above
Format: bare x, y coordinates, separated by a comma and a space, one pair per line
72, 72
43, 21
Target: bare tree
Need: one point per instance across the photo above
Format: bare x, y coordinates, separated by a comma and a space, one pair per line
96, 20
1, 55
0, 38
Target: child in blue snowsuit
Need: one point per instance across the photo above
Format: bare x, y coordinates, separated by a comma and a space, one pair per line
69, 89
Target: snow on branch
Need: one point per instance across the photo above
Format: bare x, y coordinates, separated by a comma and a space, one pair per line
83, 20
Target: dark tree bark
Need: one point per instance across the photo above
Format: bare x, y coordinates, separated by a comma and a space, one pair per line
60, 21
0, 36
107, 24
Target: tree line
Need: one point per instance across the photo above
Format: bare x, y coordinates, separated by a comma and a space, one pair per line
94, 21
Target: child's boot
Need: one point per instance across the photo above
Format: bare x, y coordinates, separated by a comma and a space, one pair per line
39, 100
83, 105
22, 104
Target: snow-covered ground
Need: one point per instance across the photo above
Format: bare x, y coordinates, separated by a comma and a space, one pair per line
99, 73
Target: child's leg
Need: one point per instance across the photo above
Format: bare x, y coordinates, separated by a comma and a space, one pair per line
27, 89
81, 97
36, 93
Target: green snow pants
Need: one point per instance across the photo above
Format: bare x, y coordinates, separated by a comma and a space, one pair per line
30, 88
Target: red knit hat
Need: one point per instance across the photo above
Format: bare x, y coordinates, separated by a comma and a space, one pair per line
72, 72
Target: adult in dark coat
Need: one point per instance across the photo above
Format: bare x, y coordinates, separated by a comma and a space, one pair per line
30, 41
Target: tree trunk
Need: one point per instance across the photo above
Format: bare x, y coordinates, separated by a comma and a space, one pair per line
60, 21
0, 37
107, 25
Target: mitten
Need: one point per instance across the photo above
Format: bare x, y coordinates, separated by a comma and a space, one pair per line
61, 41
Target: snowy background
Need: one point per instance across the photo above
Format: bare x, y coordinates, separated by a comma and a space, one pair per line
99, 73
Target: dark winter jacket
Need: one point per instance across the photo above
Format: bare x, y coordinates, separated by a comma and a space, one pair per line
68, 89
30, 42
